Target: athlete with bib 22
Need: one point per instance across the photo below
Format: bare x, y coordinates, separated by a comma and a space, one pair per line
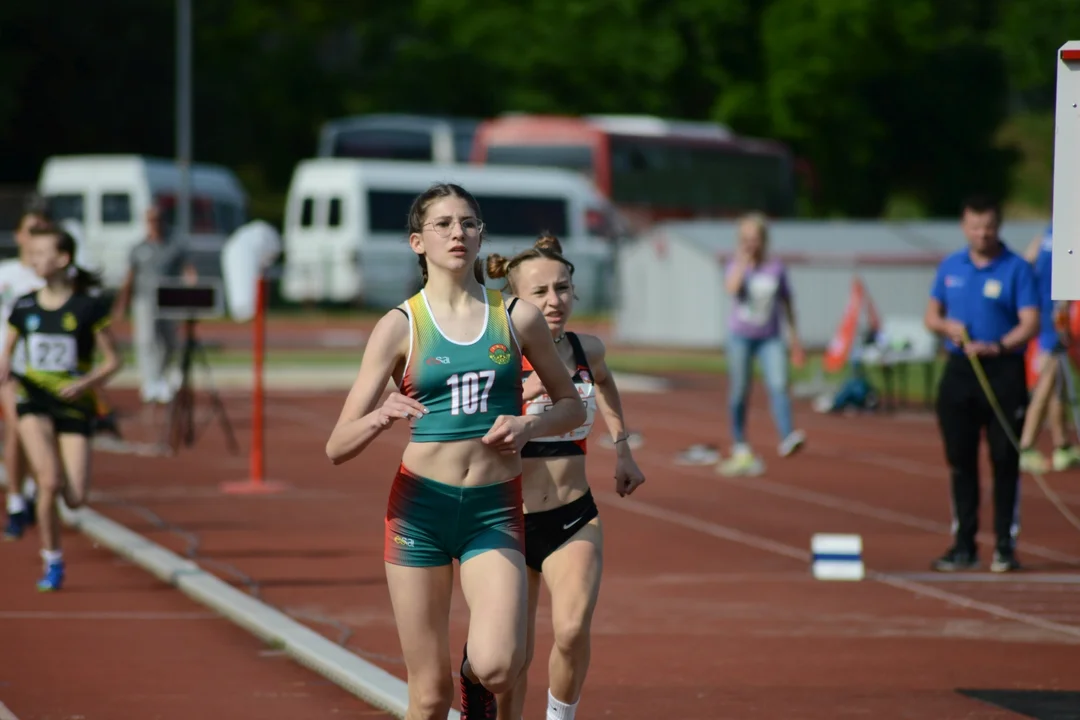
61, 326
454, 351
563, 537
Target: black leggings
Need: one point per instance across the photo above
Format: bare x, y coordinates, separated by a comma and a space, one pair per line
963, 412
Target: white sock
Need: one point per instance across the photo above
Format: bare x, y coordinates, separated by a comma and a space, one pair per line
29, 488
16, 503
559, 710
52, 556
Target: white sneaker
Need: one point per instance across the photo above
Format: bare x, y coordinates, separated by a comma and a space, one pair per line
792, 443
700, 454
161, 392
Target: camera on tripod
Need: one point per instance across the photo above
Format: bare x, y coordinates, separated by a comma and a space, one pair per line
190, 302
240, 294
178, 300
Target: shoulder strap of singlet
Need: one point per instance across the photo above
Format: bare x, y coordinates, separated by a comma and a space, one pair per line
508, 309
580, 357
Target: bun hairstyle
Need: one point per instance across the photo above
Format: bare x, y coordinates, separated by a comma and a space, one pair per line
418, 214
547, 241
547, 247
82, 279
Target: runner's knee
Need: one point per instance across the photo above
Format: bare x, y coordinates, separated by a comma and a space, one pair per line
571, 627
496, 667
50, 481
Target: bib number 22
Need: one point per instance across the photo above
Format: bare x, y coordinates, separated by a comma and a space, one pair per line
52, 353
466, 394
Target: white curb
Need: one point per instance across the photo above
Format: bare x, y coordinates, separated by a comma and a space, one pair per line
369, 682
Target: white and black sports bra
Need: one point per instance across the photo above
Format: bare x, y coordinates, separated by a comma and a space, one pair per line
573, 442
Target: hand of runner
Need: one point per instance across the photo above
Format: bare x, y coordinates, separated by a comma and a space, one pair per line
73, 390
532, 388
397, 407
508, 434
628, 476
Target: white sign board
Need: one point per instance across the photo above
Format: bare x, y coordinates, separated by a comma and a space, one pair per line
1065, 278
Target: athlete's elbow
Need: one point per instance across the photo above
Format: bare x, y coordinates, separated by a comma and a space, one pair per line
575, 412
334, 450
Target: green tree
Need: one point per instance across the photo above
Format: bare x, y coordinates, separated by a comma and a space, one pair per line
885, 98
897, 96
1028, 35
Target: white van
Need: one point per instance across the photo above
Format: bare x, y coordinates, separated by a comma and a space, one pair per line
108, 195
345, 235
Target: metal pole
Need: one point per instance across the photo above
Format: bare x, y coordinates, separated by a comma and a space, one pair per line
183, 119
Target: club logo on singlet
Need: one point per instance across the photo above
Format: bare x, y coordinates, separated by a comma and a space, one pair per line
33, 322
499, 354
68, 322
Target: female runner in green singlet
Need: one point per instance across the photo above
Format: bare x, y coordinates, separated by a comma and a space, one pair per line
454, 351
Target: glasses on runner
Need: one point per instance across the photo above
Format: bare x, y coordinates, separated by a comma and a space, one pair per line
469, 226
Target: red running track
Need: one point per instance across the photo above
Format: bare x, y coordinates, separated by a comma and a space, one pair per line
707, 610
119, 644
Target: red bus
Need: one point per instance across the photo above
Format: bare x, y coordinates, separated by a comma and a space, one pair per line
650, 168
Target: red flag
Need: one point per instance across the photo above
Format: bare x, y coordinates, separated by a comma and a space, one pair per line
839, 349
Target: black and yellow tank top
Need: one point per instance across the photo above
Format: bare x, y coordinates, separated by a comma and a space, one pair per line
59, 344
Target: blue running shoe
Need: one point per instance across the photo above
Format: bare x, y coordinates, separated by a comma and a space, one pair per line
16, 525
54, 577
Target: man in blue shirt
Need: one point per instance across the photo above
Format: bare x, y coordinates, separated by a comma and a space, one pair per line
989, 292
1050, 357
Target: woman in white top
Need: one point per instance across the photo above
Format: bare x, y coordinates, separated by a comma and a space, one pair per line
17, 279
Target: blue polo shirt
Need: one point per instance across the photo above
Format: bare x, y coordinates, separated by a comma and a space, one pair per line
986, 300
1048, 337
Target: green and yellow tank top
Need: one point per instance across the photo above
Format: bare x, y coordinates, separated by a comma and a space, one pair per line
464, 386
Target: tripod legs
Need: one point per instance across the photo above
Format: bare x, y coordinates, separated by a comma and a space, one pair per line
181, 426
218, 408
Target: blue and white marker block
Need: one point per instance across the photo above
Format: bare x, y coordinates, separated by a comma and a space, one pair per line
837, 557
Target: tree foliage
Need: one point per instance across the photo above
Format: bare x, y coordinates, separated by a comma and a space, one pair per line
883, 98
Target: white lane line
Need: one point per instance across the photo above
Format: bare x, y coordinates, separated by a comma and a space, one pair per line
741, 537
154, 616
